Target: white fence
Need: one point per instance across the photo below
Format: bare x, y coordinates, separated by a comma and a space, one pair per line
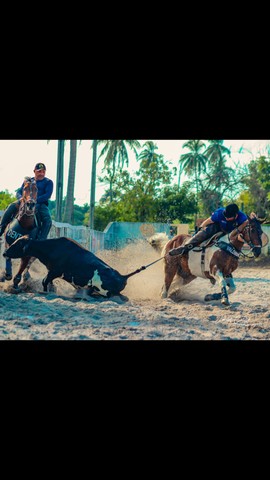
91, 239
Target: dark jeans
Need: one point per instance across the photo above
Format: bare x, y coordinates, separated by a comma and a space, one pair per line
45, 218
202, 235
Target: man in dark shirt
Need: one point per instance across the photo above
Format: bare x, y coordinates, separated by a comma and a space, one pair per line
222, 220
45, 189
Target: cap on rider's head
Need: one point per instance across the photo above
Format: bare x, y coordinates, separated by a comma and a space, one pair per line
39, 166
231, 210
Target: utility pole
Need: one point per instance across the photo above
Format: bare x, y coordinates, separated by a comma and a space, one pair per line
59, 180
93, 184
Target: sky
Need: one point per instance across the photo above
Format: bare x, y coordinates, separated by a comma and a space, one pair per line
18, 158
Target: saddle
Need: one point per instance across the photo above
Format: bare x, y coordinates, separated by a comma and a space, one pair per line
209, 242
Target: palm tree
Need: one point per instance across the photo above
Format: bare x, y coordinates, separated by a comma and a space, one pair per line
215, 151
116, 156
193, 163
93, 184
148, 155
69, 206
59, 180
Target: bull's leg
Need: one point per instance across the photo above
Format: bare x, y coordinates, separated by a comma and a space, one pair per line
26, 274
49, 279
170, 271
18, 276
223, 286
230, 283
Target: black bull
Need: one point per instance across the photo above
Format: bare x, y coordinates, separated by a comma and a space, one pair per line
67, 259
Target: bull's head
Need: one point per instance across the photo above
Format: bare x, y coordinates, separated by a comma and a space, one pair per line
18, 249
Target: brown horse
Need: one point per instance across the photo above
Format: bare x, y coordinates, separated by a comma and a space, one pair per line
213, 259
23, 223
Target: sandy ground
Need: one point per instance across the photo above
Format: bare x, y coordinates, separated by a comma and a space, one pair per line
32, 315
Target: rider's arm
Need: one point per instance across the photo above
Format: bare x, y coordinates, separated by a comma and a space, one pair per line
48, 193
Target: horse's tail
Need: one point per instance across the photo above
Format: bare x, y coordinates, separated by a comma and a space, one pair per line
158, 241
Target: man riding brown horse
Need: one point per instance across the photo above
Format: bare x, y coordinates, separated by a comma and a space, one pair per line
44, 192
222, 220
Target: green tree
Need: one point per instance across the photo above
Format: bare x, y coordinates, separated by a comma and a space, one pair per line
258, 182
148, 155
59, 180
116, 156
5, 199
69, 204
176, 204
215, 152
136, 198
194, 163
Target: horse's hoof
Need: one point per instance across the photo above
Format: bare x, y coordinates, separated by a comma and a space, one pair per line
8, 276
212, 296
225, 302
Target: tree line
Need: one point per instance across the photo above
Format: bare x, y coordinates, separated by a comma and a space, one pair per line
156, 193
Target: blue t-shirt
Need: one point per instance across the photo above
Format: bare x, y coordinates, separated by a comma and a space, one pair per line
45, 189
218, 217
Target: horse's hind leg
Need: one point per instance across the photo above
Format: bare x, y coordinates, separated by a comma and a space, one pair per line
170, 271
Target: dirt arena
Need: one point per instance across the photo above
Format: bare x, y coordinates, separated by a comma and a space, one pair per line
32, 315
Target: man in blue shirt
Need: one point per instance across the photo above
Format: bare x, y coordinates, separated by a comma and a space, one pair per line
222, 220
45, 189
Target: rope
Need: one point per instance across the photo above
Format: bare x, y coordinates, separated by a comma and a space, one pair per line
143, 267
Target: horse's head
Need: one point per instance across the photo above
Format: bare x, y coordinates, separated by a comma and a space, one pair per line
253, 235
29, 196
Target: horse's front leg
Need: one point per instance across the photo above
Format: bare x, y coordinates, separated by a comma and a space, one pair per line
230, 283
223, 286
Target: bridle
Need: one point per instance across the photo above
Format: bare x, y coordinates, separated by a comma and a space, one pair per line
245, 233
28, 200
